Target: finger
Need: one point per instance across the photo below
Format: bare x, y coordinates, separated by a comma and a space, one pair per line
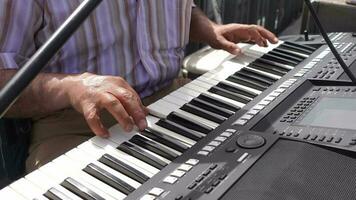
257, 38
116, 109
92, 117
127, 86
132, 105
268, 35
229, 46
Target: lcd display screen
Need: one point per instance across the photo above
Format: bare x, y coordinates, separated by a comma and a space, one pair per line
332, 113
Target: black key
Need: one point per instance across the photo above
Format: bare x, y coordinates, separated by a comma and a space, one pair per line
123, 168
218, 102
153, 146
179, 129
108, 178
245, 94
54, 194
290, 52
139, 153
286, 56
165, 139
260, 75
211, 107
274, 57
247, 82
274, 63
295, 48
80, 190
310, 48
270, 69
194, 125
203, 113
255, 77
229, 94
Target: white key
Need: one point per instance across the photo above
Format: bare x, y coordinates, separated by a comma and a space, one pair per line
96, 148
44, 182
243, 88
27, 189
182, 96
196, 118
269, 75
10, 194
74, 170
83, 158
172, 99
162, 108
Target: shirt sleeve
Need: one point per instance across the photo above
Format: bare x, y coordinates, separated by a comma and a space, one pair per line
19, 21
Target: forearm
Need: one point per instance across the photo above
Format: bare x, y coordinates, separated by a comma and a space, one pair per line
46, 94
201, 28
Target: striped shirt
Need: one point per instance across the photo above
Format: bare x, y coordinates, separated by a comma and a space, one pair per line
141, 41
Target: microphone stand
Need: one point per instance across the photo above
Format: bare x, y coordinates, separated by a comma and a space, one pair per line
10, 92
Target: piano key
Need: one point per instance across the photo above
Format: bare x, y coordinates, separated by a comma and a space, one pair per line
174, 100
151, 124
248, 82
142, 154
277, 58
165, 139
188, 122
263, 73
295, 49
155, 147
219, 101
108, 178
79, 156
291, 52
255, 77
229, 94
124, 168
203, 113
72, 169
294, 58
196, 119
9, 193
212, 107
54, 194
246, 91
278, 64
44, 182
269, 68
310, 48
181, 95
80, 189
27, 189
97, 147
181, 130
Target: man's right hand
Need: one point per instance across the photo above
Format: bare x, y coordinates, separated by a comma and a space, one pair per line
90, 94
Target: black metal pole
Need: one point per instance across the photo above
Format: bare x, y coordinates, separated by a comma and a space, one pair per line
38, 61
329, 43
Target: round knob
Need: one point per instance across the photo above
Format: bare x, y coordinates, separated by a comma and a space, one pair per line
250, 141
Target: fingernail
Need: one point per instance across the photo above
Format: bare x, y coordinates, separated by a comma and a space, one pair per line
129, 127
275, 39
236, 52
142, 124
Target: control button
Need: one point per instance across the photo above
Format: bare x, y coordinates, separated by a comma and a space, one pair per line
231, 130
206, 172
220, 138
296, 135
192, 162
240, 122
243, 157
283, 120
282, 133
250, 141
289, 134
148, 197
170, 179
180, 197
213, 166
306, 136
156, 191
199, 179
178, 173
208, 148
192, 186
352, 143
209, 190
338, 140
203, 153
230, 149
216, 183
314, 137
223, 176
214, 143
226, 134
258, 107
247, 117
330, 139
185, 167
322, 138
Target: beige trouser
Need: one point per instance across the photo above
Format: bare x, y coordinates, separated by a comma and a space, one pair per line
57, 133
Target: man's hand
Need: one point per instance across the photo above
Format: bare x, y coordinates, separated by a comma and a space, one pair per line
226, 36
90, 94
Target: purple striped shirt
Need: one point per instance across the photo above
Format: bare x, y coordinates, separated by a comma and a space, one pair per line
140, 40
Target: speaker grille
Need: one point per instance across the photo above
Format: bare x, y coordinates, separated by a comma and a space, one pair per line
293, 170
